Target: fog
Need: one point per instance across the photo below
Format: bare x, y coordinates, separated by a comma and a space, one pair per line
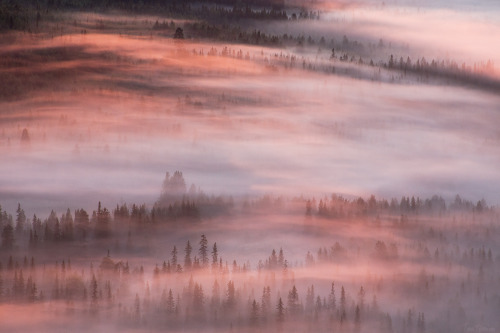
367, 158
129, 107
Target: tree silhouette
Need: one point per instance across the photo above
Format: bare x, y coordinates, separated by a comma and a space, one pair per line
343, 304
215, 255
102, 223
280, 316
187, 257
174, 257
179, 33
293, 304
230, 296
254, 313
20, 219
25, 137
332, 302
198, 300
170, 303
203, 251
94, 296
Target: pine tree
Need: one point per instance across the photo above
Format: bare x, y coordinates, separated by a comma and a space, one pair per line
215, 255
357, 318
230, 296
343, 314
198, 300
254, 314
266, 300
174, 257
293, 301
170, 303
103, 221
310, 299
332, 302
187, 257
203, 251
94, 295
20, 219
215, 302
281, 258
280, 317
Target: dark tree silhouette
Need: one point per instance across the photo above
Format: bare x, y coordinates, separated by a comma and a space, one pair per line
230, 296
187, 257
332, 301
203, 251
215, 255
293, 304
174, 257
179, 33
20, 219
254, 313
280, 316
102, 223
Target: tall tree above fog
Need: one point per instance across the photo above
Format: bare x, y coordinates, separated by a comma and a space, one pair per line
203, 251
20, 219
102, 222
82, 223
215, 255
187, 257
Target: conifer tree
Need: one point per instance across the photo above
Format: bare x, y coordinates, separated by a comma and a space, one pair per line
280, 317
203, 251
187, 257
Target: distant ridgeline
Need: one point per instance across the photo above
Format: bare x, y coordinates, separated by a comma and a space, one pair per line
164, 3
25, 15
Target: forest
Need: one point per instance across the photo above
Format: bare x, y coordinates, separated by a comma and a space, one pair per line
371, 265
254, 166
